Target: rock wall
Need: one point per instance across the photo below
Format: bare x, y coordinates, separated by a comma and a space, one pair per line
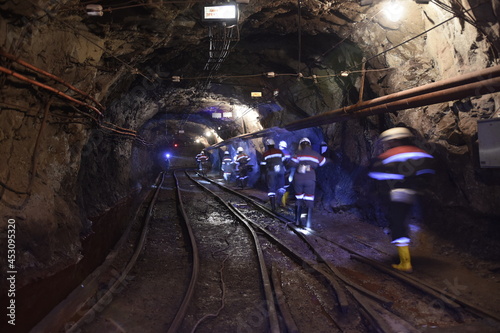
458, 207
61, 165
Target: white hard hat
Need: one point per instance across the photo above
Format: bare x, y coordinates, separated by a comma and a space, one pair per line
283, 144
269, 142
226, 153
240, 149
304, 140
395, 133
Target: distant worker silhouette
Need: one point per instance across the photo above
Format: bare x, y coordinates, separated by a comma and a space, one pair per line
203, 162
242, 161
283, 146
403, 166
272, 160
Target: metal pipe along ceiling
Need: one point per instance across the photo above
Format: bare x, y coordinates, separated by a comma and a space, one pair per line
478, 83
482, 82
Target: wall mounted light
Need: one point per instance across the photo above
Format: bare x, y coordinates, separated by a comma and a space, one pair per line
393, 10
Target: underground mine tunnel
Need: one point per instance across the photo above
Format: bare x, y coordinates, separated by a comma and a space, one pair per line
94, 95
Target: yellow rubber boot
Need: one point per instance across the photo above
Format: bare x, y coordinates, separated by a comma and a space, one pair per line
405, 261
283, 199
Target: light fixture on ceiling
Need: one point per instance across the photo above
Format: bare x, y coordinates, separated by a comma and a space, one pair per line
220, 13
393, 10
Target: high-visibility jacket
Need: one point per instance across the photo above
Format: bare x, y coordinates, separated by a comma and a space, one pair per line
402, 166
306, 161
273, 160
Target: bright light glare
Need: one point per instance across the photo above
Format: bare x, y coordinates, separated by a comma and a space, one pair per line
393, 11
305, 231
208, 133
220, 12
167, 155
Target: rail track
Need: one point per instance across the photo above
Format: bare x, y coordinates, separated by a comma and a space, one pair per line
214, 260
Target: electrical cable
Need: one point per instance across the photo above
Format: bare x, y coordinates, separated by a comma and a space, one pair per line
108, 125
299, 33
420, 34
52, 76
465, 15
44, 86
133, 69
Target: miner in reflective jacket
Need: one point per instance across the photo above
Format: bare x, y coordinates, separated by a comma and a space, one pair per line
203, 162
283, 146
272, 161
227, 166
242, 160
403, 166
303, 174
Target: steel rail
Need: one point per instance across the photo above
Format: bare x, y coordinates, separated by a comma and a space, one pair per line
333, 270
341, 297
181, 312
452, 301
282, 304
365, 307
104, 299
273, 317
375, 315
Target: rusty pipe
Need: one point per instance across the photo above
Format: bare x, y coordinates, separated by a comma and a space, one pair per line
44, 86
52, 76
477, 83
117, 129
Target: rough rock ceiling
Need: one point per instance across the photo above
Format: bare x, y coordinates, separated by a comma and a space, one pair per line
138, 48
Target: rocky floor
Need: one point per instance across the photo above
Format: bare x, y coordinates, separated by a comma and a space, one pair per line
434, 260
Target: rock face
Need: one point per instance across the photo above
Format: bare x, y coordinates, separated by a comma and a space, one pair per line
70, 153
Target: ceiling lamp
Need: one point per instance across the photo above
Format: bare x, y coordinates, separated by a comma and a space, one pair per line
223, 13
393, 11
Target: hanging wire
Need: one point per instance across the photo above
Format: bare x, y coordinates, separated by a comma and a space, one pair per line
414, 37
465, 15
299, 33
